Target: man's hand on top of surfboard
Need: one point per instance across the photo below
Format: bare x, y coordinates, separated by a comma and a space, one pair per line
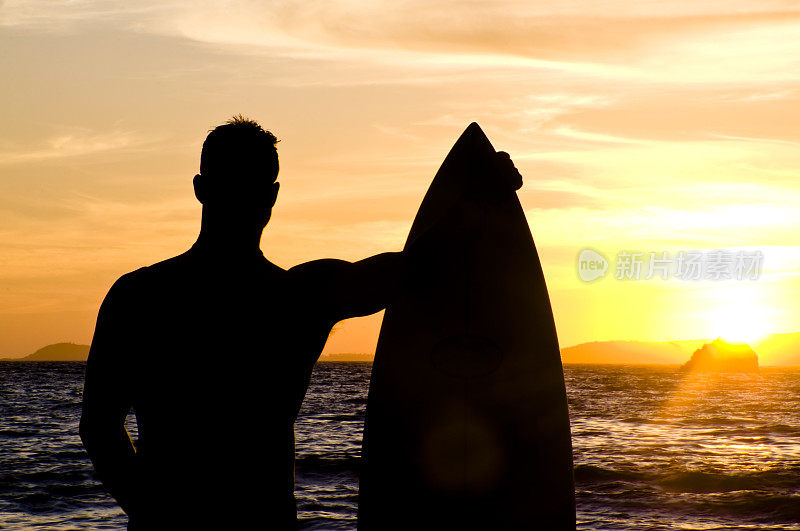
449, 239
506, 172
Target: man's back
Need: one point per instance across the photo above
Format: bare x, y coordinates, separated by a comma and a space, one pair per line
213, 350
214, 355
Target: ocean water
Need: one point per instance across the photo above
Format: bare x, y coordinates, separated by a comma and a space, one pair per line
654, 449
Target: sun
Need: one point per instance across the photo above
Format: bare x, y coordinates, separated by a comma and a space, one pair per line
740, 323
739, 312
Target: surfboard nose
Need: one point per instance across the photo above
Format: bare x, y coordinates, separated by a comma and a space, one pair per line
471, 149
474, 137
473, 127
485, 169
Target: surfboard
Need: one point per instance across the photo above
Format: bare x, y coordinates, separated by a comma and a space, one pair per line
467, 424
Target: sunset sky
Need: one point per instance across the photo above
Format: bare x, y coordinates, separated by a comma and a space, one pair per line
639, 126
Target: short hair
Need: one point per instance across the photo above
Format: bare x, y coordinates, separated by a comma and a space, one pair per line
234, 147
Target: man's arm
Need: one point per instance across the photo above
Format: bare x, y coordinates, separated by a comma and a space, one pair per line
106, 403
353, 289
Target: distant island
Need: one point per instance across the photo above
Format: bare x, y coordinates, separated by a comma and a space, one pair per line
775, 350
721, 356
58, 352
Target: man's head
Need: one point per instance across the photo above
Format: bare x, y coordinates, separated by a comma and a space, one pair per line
238, 172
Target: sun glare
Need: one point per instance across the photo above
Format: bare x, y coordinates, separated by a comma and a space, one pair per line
740, 323
740, 312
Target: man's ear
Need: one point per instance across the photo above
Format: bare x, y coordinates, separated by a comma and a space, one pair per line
275, 187
199, 183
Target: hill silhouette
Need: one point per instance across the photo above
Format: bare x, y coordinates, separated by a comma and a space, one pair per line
778, 350
631, 352
58, 352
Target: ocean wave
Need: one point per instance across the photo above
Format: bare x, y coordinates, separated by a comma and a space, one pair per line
710, 482
695, 481
648, 458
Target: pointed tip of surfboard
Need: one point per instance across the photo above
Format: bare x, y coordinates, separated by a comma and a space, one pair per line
473, 126
473, 130
474, 136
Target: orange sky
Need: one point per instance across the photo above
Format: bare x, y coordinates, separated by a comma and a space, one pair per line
649, 126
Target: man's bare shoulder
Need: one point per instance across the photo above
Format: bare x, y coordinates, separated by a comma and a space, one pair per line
169, 265
131, 282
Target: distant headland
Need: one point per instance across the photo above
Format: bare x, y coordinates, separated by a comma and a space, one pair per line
631, 352
57, 352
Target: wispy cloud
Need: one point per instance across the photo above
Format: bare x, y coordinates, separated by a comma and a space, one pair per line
76, 144
40, 248
637, 41
71, 15
573, 133
527, 112
663, 121
755, 140
762, 96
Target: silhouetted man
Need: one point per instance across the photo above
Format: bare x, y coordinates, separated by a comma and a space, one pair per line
213, 350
